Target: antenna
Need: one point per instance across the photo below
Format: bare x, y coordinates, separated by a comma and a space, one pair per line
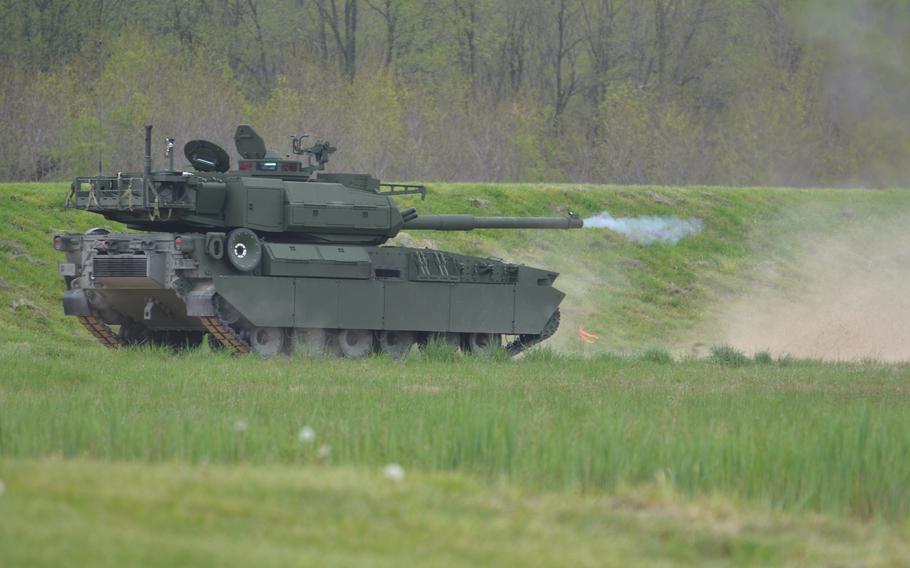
98, 81
100, 134
147, 162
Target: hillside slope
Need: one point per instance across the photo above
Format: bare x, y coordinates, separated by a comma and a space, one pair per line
632, 295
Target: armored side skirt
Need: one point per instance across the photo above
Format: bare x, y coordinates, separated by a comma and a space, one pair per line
390, 305
75, 303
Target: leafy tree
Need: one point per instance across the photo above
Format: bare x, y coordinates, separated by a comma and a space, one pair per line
798, 92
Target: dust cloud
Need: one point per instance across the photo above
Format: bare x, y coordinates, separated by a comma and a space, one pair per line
849, 300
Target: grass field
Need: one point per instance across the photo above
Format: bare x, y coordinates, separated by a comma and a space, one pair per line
79, 512
143, 457
549, 459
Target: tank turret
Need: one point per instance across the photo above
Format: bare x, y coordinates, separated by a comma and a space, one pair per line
277, 254
280, 198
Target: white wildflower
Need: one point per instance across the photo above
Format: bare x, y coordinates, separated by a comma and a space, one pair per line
394, 472
240, 426
306, 435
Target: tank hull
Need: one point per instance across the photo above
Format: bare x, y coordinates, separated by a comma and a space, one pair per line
159, 283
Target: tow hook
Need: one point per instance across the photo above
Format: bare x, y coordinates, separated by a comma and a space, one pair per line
155, 310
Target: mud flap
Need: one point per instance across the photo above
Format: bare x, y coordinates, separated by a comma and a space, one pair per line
76, 304
200, 304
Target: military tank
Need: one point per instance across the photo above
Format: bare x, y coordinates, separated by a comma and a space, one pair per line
279, 255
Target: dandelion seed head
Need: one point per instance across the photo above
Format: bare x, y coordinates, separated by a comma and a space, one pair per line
241, 425
394, 472
306, 435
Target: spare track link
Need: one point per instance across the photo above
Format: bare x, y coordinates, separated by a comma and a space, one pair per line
526, 341
225, 335
100, 331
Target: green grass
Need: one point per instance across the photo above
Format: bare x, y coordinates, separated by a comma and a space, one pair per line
805, 436
79, 512
142, 457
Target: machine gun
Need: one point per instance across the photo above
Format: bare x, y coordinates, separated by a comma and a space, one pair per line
320, 151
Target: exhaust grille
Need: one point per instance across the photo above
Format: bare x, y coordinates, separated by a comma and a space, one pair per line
120, 267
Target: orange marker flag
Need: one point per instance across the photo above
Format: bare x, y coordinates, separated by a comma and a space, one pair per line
587, 337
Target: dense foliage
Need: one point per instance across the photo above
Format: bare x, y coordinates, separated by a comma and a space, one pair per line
744, 92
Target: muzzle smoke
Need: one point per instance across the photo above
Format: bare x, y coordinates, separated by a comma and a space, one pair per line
646, 230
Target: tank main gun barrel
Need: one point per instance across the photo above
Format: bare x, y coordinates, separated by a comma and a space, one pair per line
469, 222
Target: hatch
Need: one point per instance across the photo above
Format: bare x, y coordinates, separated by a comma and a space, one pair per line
207, 156
249, 144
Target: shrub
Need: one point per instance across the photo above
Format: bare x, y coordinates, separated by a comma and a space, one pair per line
728, 356
763, 358
656, 355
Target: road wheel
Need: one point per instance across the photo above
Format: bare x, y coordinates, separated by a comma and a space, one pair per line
482, 343
267, 341
355, 343
396, 344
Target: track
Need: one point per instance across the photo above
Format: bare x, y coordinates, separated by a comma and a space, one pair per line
524, 342
100, 331
225, 335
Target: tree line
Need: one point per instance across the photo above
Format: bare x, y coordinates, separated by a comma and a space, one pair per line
723, 92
